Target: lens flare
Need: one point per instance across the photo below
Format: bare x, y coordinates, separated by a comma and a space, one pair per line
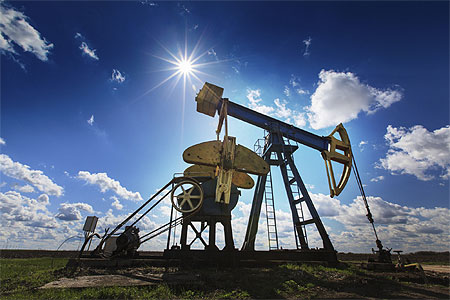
185, 67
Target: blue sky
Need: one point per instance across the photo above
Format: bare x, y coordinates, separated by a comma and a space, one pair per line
90, 126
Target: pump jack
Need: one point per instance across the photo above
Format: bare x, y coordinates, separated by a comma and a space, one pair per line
209, 100
207, 192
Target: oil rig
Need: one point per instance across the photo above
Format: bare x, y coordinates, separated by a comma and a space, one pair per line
206, 193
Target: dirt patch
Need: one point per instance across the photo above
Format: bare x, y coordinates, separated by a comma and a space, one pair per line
103, 277
437, 268
97, 281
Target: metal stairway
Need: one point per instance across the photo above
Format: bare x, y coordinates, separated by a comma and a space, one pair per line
285, 159
297, 196
272, 232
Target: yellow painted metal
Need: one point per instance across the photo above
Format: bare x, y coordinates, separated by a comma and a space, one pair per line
208, 99
242, 180
206, 153
226, 170
201, 171
239, 179
210, 154
344, 157
249, 162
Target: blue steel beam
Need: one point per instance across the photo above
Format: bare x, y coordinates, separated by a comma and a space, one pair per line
272, 125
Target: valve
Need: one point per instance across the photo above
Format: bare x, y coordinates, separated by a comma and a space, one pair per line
344, 158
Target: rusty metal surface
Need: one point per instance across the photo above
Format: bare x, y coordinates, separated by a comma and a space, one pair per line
206, 153
249, 162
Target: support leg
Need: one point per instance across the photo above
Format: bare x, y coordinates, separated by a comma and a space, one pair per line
229, 243
183, 238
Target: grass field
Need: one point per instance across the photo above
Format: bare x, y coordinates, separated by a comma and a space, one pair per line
21, 279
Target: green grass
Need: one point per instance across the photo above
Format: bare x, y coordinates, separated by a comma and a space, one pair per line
17, 275
21, 279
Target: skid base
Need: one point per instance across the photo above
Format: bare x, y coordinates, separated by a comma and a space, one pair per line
205, 258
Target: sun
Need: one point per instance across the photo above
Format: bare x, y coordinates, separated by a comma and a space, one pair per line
185, 67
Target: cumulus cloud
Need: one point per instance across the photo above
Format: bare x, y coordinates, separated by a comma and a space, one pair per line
378, 178
295, 84
362, 144
116, 203
287, 91
254, 97
111, 220
279, 110
44, 199
24, 189
408, 228
108, 184
341, 96
15, 29
37, 178
16, 208
117, 76
85, 50
417, 151
71, 211
2, 141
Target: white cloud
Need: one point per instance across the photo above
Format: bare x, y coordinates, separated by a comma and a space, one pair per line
149, 3
90, 121
44, 199
37, 178
16, 209
307, 43
287, 91
85, 50
212, 53
15, 29
71, 211
310, 186
408, 228
24, 189
116, 203
362, 144
417, 151
254, 97
117, 76
105, 183
2, 141
294, 81
236, 70
378, 178
340, 97
112, 220
280, 109
295, 84
302, 92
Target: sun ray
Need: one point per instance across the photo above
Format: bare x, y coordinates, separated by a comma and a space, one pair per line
185, 65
